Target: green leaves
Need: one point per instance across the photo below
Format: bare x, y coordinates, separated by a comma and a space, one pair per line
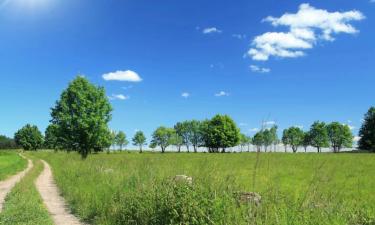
162, 137
139, 139
82, 115
294, 137
29, 137
340, 136
367, 131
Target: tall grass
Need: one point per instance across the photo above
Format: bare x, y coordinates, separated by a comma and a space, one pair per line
10, 164
295, 188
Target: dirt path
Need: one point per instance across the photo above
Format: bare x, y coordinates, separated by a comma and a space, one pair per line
54, 202
7, 185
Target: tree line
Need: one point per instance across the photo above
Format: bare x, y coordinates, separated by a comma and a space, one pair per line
79, 122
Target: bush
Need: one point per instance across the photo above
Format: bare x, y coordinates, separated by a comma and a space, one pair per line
29, 137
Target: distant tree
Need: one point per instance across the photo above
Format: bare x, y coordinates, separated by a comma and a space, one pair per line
367, 131
82, 115
196, 138
258, 140
340, 136
268, 139
294, 137
306, 140
112, 140
319, 135
285, 139
221, 133
183, 130
7, 143
121, 140
139, 140
275, 138
29, 137
162, 137
177, 140
51, 140
243, 141
249, 142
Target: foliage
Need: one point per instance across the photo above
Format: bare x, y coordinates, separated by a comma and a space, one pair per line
306, 140
196, 139
258, 140
340, 136
220, 132
121, 140
183, 130
319, 135
139, 140
51, 140
162, 137
293, 136
7, 143
367, 131
29, 137
177, 140
81, 116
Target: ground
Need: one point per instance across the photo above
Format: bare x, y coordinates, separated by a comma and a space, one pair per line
133, 188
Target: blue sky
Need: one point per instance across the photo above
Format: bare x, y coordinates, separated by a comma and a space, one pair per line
193, 58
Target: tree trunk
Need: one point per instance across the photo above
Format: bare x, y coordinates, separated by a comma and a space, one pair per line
195, 149
223, 150
140, 149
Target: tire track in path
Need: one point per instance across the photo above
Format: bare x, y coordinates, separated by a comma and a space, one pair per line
7, 185
52, 199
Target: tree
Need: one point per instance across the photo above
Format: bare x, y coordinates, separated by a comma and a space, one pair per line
51, 140
243, 141
285, 139
177, 141
258, 140
275, 138
183, 130
294, 137
196, 139
139, 140
306, 140
367, 131
221, 132
121, 140
162, 137
7, 143
29, 137
268, 139
319, 135
82, 115
340, 136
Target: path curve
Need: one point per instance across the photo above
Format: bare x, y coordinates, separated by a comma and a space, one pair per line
7, 185
52, 199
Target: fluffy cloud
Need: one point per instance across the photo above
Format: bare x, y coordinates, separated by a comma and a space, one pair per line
127, 75
306, 27
221, 94
119, 97
185, 95
258, 69
210, 30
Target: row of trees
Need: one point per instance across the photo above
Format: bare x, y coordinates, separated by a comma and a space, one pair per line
7, 143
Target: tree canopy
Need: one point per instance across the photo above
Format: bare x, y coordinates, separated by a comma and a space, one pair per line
162, 137
293, 136
139, 140
367, 131
121, 140
318, 135
81, 117
340, 136
29, 137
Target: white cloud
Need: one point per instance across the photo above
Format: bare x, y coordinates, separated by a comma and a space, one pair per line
185, 95
211, 30
119, 97
221, 94
306, 27
254, 129
119, 75
258, 69
239, 36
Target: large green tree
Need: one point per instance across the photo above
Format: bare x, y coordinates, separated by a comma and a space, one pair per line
319, 135
177, 141
81, 116
221, 132
121, 140
258, 140
340, 136
162, 137
139, 140
183, 130
306, 140
195, 130
294, 137
29, 137
367, 131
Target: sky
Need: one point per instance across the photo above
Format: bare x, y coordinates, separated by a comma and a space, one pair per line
288, 63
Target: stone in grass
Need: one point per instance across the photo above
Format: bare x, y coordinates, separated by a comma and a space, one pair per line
249, 197
183, 179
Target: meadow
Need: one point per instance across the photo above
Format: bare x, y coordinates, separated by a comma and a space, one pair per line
10, 164
132, 188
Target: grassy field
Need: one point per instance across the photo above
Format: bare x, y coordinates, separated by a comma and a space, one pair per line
10, 164
23, 204
125, 188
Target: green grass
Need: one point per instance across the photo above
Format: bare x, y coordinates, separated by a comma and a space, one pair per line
295, 188
23, 204
10, 164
